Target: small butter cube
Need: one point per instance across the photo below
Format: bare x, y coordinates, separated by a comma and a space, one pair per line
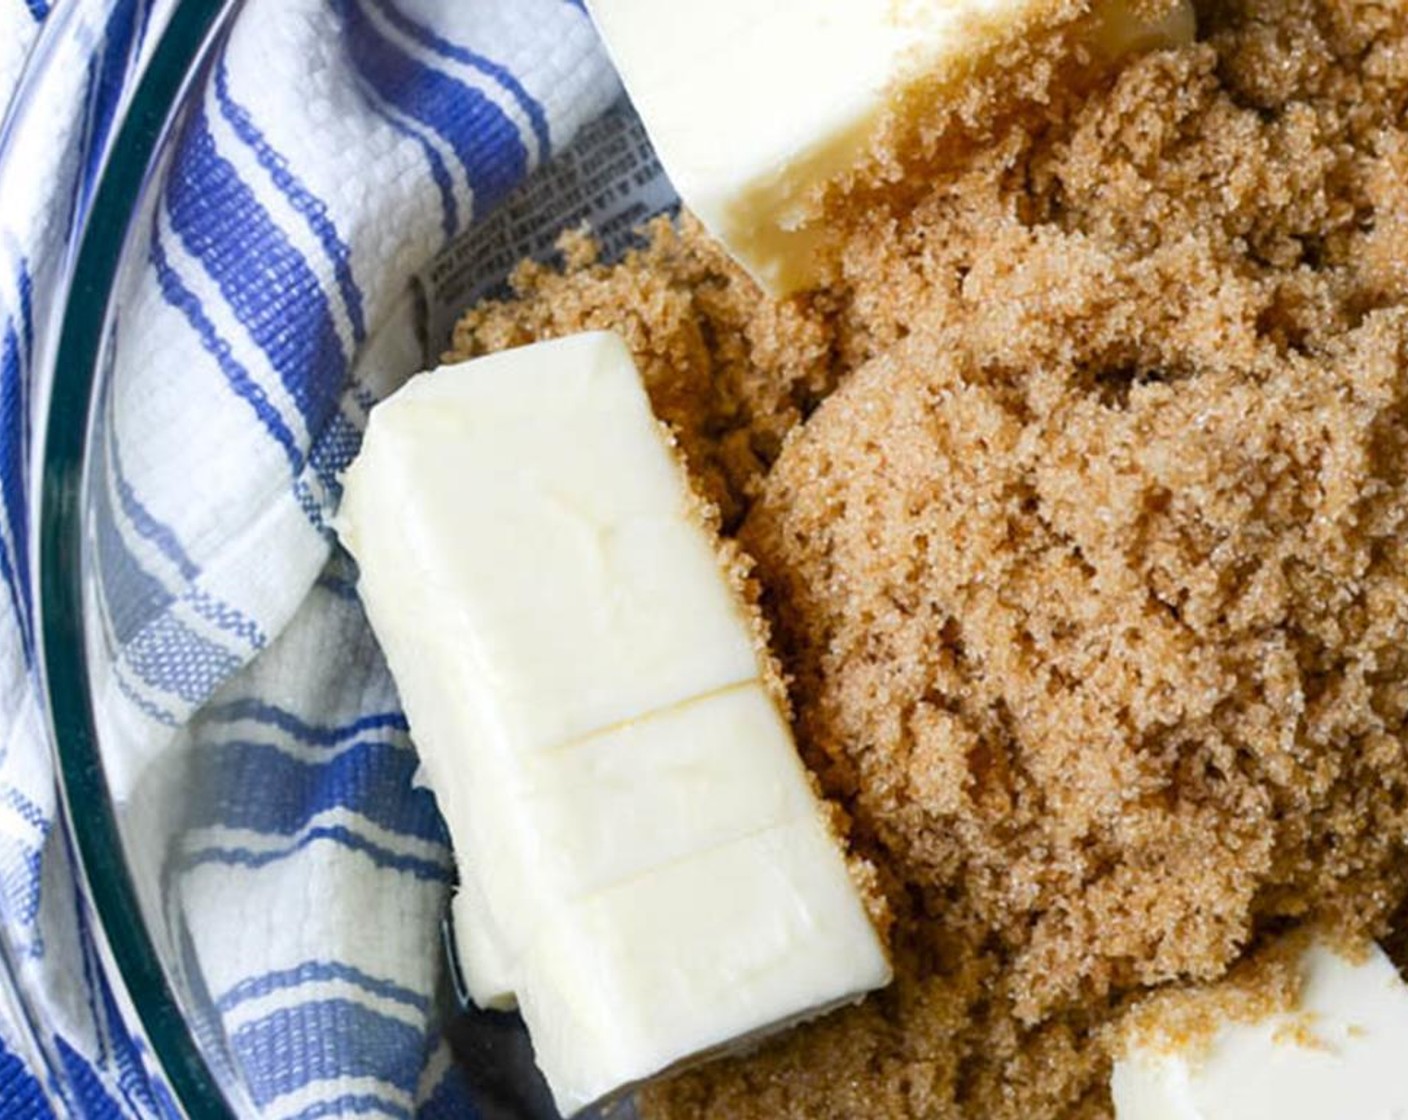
755, 105
530, 516
694, 956
1340, 1053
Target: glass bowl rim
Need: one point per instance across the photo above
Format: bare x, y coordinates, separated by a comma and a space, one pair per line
163, 86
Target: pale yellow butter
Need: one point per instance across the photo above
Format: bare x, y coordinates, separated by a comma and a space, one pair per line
1338, 1055
644, 867
755, 105
697, 954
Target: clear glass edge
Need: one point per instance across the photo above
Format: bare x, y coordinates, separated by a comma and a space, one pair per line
87, 807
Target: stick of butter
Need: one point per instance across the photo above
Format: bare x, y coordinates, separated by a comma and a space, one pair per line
755, 105
645, 869
1340, 1053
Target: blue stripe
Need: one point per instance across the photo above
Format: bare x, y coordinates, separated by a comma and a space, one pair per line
132, 596
146, 525
261, 712
262, 277
166, 1106
308, 205
132, 1080
21, 876
14, 566
117, 1052
483, 138
451, 1099
181, 298
25, 286
357, 1104
227, 618
107, 75
21, 1095
423, 869
256, 786
333, 1039
312, 509
83, 182
93, 1100
15, 353
7, 574
423, 35
39, 9
28, 811
147, 707
333, 452
168, 655
316, 972
144, 20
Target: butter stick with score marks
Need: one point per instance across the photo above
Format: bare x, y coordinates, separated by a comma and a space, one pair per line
647, 873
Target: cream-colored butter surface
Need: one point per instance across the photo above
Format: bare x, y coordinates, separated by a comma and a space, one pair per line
543, 533
639, 797
753, 105
688, 957
643, 866
1342, 1054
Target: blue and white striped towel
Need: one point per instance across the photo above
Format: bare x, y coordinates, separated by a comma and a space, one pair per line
337, 147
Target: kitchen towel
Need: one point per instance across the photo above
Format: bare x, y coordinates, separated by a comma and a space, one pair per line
251, 735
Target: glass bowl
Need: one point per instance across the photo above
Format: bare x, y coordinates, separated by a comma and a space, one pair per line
292, 200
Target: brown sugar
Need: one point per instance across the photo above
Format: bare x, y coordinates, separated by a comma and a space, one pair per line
1078, 504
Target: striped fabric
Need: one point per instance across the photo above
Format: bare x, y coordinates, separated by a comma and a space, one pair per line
336, 147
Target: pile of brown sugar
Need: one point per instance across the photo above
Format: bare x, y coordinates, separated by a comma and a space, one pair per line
1078, 504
